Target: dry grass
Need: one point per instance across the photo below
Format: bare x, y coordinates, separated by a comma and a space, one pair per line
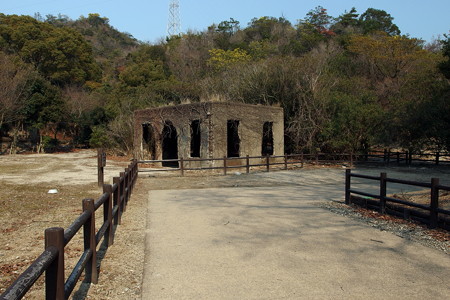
423, 197
27, 210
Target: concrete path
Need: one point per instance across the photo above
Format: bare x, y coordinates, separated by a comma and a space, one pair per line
275, 243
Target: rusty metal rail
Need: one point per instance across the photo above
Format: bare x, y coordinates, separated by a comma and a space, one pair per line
434, 216
114, 200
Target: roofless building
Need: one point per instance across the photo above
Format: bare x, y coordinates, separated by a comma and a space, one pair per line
208, 130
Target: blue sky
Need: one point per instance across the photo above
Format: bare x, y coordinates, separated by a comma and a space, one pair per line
147, 20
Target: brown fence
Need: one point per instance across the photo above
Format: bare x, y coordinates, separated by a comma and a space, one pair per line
284, 161
430, 214
406, 157
114, 200
265, 162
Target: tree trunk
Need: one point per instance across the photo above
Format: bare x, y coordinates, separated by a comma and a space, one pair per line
13, 148
40, 147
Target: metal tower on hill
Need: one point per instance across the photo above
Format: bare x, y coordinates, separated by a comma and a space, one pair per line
174, 26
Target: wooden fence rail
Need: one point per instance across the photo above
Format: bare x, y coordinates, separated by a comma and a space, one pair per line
408, 158
229, 163
434, 216
114, 200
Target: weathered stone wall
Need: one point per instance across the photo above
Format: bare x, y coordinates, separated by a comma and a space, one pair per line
213, 118
251, 120
181, 117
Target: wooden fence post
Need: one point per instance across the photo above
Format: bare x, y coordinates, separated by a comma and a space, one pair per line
123, 192
182, 166
224, 165
285, 162
118, 201
317, 158
130, 179
107, 214
434, 203
54, 275
268, 163
89, 242
347, 185
383, 193
136, 171
128, 184
437, 158
101, 164
127, 188
247, 163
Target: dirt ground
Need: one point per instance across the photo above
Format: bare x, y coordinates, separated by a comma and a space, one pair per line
27, 210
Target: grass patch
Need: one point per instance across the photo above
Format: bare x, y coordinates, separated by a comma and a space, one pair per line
21, 204
26, 211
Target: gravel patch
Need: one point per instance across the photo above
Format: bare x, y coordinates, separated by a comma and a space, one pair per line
437, 238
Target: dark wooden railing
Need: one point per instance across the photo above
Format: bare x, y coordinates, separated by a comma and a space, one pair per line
283, 161
406, 157
230, 163
114, 200
434, 216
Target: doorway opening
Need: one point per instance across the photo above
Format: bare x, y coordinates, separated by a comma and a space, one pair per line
148, 141
233, 141
169, 144
267, 139
195, 138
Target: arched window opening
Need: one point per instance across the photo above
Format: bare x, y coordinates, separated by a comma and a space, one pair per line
195, 138
148, 141
169, 144
233, 140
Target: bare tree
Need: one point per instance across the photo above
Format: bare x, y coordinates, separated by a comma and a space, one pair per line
301, 85
188, 55
314, 83
13, 80
79, 101
121, 130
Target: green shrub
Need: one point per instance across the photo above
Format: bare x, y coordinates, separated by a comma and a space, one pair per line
100, 138
49, 144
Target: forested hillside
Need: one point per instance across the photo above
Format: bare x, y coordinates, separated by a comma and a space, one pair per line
346, 83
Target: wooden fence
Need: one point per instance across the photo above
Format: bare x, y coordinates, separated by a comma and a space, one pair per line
283, 161
406, 157
266, 162
430, 214
114, 200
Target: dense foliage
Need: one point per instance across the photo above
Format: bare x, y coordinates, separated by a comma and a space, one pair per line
346, 83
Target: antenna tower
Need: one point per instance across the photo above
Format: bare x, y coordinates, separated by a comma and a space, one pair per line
174, 26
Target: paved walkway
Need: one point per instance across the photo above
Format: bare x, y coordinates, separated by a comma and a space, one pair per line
275, 243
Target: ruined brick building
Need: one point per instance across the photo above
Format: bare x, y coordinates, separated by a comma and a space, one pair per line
208, 130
